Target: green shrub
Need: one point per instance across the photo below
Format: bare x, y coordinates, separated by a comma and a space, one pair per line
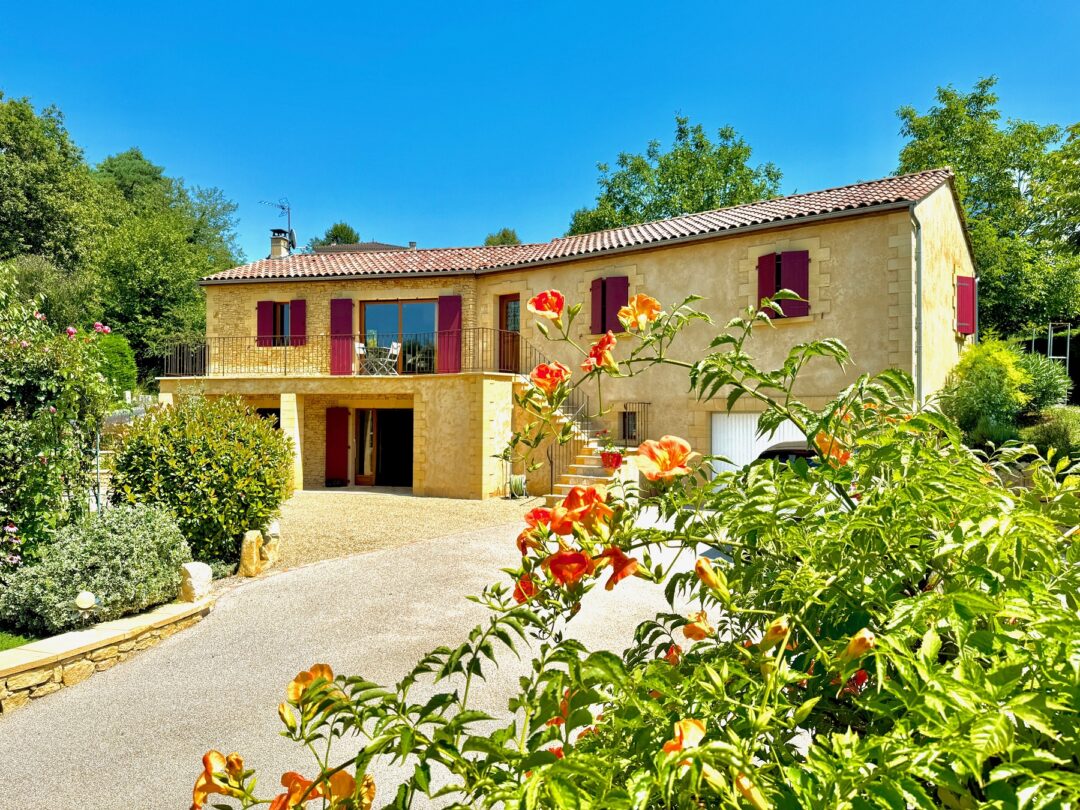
1057, 428
218, 466
1049, 382
986, 393
117, 364
129, 557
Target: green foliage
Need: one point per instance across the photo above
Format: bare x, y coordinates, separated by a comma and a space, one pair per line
52, 401
129, 557
117, 364
1049, 381
503, 236
340, 233
9, 641
218, 466
1057, 428
987, 386
66, 296
893, 625
1018, 183
697, 174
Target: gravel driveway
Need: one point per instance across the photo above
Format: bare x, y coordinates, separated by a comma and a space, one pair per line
133, 736
327, 524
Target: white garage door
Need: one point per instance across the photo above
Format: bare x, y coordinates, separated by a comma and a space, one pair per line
735, 436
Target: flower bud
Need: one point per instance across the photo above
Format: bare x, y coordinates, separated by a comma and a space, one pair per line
775, 633
704, 570
860, 644
751, 793
287, 717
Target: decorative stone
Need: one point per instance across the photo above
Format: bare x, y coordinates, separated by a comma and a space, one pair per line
274, 530
14, 701
271, 551
251, 554
25, 680
105, 652
195, 581
47, 689
145, 641
78, 672
108, 663
125, 646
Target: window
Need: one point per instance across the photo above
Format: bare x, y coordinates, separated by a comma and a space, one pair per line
789, 270
609, 295
410, 323
628, 425
281, 323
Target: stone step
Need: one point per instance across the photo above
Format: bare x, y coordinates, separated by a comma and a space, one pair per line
588, 469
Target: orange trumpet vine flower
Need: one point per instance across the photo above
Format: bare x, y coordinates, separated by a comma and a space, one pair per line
704, 570
860, 644
298, 685
568, 566
688, 733
525, 589
673, 655
207, 783
549, 376
600, 355
584, 506
664, 459
698, 627
621, 566
639, 312
832, 449
548, 304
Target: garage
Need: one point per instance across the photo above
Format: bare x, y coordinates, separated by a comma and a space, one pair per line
735, 436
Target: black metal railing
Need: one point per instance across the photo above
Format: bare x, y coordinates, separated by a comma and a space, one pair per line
560, 456
633, 423
445, 352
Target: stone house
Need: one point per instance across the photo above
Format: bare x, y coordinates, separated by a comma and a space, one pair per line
398, 367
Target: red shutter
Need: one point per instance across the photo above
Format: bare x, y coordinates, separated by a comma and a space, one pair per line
766, 279
965, 305
616, 296
795, 276
597, 306
337, 445
297, 322
264, 319
341, 336
448, 346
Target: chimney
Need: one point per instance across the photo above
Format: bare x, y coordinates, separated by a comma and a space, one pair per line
279, 243
412, 245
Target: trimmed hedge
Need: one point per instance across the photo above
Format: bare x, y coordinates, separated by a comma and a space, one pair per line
129, 557
218, 466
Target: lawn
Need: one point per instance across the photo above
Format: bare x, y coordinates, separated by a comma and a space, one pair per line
10, 640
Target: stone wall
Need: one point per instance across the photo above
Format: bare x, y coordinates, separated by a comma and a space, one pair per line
43, 667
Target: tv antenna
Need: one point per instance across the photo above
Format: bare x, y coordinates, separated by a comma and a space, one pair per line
285, 210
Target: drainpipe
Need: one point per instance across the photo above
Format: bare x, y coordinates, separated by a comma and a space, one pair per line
918, 307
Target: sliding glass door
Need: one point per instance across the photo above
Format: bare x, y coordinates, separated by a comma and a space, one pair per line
410, 323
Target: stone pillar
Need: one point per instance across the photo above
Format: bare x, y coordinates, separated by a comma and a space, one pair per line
292, 424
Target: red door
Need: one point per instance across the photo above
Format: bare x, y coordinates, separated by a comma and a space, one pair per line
341, 336
509, 329
337, 446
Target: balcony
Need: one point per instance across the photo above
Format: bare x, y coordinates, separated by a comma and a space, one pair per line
448, 352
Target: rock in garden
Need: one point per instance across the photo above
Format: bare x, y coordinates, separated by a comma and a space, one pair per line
251, 554
195, 581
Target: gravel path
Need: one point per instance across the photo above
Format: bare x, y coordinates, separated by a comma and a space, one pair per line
327, 524
133, 736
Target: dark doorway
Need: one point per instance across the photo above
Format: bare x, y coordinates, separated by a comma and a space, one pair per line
394, 447
509, 329
337, 447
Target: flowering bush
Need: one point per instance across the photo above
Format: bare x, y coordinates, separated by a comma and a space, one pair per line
52, 400
893, 626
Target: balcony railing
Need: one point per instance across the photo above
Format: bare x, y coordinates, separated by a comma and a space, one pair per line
446, 352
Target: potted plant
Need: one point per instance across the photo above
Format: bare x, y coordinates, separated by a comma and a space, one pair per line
610, 456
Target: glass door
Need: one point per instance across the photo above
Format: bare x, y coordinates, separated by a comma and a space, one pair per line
365, 446
509, 333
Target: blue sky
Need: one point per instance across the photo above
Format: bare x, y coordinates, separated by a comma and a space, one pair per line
442, 122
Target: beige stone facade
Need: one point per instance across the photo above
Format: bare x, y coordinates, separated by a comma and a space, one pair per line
883, 282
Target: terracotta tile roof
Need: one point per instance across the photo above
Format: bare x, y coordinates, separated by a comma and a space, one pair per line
358, 246
852, 199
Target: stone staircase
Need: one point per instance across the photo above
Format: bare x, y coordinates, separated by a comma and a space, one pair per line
585, 470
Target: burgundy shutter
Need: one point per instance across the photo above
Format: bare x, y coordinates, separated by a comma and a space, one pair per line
965, 305
795, 276
766, 279
298, 322
448, 346
264, 319
337, 446
341, 336
616, 296
597, 306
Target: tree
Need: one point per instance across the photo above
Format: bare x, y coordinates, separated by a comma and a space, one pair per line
503, 236
1018, 184
340, 233
695, 175
48, 203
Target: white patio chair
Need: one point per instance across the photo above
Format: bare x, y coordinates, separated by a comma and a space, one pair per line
392, 358
361, 357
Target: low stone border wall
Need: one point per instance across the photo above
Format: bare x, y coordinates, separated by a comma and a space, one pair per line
43, 667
